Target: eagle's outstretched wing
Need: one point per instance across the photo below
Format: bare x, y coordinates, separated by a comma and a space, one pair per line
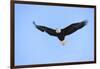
73, 27
46, 29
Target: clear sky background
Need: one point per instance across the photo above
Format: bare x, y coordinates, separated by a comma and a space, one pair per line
35, 47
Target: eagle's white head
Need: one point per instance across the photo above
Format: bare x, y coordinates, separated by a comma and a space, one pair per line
58, 30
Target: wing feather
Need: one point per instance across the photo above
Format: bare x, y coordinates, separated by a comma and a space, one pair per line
46, 29
73, 27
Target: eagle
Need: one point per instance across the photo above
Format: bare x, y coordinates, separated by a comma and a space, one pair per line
61, 33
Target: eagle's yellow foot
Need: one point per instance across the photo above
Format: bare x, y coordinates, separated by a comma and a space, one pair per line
63, 42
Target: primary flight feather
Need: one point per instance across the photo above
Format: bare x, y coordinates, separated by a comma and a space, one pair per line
61, 33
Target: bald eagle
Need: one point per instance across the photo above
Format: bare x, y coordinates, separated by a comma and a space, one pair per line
61, 33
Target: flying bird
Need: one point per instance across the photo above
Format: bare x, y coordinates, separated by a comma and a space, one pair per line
61, 33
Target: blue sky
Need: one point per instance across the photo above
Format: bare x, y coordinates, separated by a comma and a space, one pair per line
35, 47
